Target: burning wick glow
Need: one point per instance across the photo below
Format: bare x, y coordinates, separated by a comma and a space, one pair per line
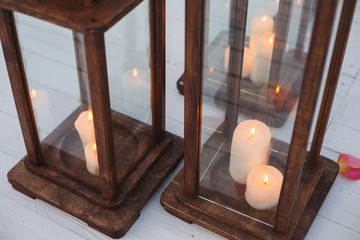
33, 93
264, 18
252, 132
90, 116
271, 41
277, 90
94, 146
211, 69
135, 72
266, 180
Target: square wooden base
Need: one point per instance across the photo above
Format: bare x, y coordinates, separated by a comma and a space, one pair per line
190, 211
114, 223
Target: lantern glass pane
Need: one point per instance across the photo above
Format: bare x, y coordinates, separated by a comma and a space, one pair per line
248, 120
127, 46
59, 97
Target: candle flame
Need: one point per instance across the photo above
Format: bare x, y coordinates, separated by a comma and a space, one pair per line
211, 69
264, 18
33, 93
135, 72
252, 132
266, 180
277, 0
94, 146
90, 116
277, 90
271, 41
298, 2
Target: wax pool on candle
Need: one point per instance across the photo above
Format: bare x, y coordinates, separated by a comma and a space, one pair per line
262, 60
249, 148
85, 127
263, 186
259, 25
92, 164
247, 61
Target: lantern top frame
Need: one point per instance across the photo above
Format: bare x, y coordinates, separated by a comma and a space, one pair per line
74, 14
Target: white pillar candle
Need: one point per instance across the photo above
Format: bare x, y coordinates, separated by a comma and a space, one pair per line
248, 59
259, 25
85, 126
263, 186
262, 60
92, 164
249, 148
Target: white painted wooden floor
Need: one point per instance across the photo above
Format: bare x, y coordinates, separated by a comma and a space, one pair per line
339, 217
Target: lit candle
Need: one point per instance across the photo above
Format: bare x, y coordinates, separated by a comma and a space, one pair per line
262, 60
92, 164
260, 25
85, 126
247, 61
263, 186
249, 148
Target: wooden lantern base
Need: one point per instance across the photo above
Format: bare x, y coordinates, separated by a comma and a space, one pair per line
114, 222
235, 226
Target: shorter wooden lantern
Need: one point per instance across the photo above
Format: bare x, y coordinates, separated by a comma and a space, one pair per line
88, 79
242, 178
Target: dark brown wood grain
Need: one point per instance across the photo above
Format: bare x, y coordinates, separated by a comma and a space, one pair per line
100, 104
306, 109
342, 36
238, 16
74, 14
19, 86
157, 63
193, 88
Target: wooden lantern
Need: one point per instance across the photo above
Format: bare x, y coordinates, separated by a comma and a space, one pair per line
242, 178
88, 79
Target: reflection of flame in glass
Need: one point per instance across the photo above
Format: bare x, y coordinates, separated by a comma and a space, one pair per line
94, 146
211, 69
277, 1
226, 4
135, 72
271, 41
252, 132
266, 179
264, 18
277, 90
298, 2
33, 93
90, 116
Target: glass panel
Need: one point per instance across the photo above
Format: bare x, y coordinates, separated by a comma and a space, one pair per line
62, 111
245, 141
127, 55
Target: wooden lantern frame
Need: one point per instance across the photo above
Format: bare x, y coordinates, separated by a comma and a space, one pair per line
296, 210
114, 203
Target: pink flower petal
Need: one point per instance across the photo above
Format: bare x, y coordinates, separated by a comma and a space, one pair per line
351, 160
349, 166
353, 173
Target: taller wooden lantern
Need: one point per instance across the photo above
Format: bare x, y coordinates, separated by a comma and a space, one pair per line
88, 78
242, 178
